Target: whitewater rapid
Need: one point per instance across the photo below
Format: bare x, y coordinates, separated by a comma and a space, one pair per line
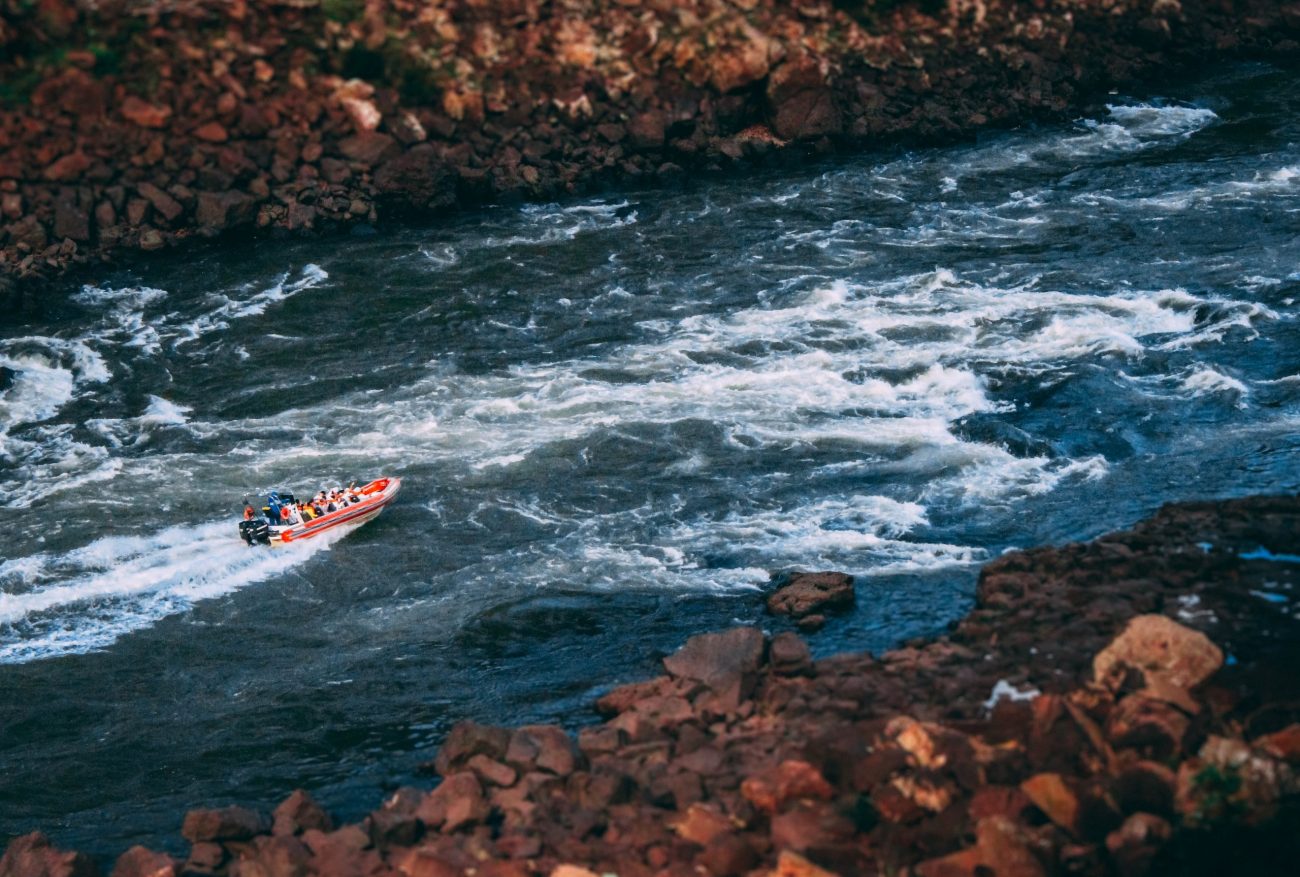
853, 374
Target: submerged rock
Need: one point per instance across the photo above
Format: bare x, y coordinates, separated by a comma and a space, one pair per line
808, 593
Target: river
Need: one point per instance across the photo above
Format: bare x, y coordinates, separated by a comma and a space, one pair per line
615, 417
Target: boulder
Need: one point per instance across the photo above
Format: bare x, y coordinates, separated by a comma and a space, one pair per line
143, 862
1153, 727
144, 114
791, 780
32, 855
789, 655
1051, 793
808, 593
212, 132
1134, 845
791, 864
801, 103
226, 823
369, 147
726, 662
69, 167
645, 131
221, 210
467, 739
1001, 848
701, 823
298, 813
456, 803
421, 175
1161, 647
165, 204
546, 748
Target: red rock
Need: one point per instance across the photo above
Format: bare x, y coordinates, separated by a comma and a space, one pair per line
456, 803
393, 828
544, 747
1152, 727
645, 131
572, 871
146, 115
298, 813
811, 623
369, 147
1145, 786
212, 132
807, 593
205, 858
789, 655
810, 826
1283, 744
281, 856
343, 853
1134, 845
67, 168
701, 823
143, 862
791, 780
165, 204
221, 210
1160, 646
1001, 849
32, 855
426, 863
791, 864
493, 772
1005, 801
740, 65
727, 855
726, 662
152, 239
802, 104
227, 823
1053, 795
70, 221
467, 739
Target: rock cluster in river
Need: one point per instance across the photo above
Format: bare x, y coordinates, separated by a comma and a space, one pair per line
128, 125
1123, 707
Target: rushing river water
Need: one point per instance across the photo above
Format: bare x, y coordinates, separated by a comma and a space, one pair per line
614, 417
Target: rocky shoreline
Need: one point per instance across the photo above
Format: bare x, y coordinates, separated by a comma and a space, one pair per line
129, 126
1126, 706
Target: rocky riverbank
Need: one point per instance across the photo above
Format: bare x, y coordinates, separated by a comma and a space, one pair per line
131, 126
1123, 707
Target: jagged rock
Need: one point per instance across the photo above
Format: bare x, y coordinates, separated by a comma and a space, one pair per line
1134, 845
791, 780
806, 593
802, 104
143, 862
221, 210
467, 739
227, 823
32, 855
726, 662
701, 824
298, 813
69, 167
791, 864
789, 655
369, 147
280, 856
144, 114
1150, 726
165, 204
456, 803
1001, 848
1162, 647
542, 747
212, 132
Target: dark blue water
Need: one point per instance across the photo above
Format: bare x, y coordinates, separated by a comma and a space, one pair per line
615, 418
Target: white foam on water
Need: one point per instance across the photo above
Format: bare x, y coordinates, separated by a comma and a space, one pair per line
1205, 380
161, 412
117, 584
236, 306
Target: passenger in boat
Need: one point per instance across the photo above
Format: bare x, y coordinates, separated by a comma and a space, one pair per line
248, 511
306, 511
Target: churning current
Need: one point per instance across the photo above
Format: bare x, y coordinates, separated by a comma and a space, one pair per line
615, 417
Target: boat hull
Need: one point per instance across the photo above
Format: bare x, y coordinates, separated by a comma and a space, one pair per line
375, 497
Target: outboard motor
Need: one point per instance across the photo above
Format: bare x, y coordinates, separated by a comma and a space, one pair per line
255, 532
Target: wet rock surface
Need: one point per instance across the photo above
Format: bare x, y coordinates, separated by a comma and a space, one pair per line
1156, 730
134, 126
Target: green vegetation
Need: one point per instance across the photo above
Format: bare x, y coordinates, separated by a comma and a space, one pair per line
343, 11
1217, 789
